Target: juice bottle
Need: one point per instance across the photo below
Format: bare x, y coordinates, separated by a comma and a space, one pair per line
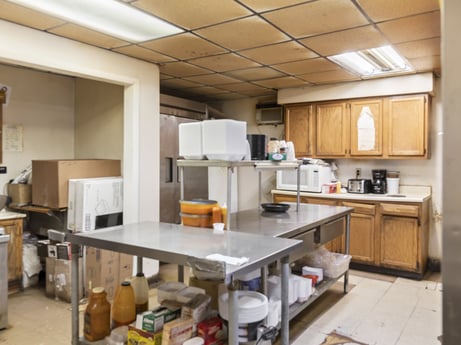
97, 316
141, 292
124, 308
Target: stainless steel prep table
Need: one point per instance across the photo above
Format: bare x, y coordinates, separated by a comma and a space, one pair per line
175, 244
313, 224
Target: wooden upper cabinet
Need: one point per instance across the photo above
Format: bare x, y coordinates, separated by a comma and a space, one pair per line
332, 128
407, 126
299, 128
366, 128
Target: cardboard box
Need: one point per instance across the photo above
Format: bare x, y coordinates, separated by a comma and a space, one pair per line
93, 199
211, 287
177, 331
20, 194
50, 177
139, 337
107, 269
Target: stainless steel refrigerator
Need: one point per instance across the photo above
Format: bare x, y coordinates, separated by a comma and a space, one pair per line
196, 177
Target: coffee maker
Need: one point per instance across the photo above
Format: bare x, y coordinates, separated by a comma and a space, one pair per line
379, 181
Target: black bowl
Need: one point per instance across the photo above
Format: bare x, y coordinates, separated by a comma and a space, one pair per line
275, 207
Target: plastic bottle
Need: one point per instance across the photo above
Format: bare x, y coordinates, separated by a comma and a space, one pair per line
224, 215
141, 292
97, 316
124, 308
338, 187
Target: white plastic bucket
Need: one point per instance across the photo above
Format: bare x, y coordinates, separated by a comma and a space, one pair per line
393, 185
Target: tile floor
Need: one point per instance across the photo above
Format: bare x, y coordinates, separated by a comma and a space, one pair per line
378, 310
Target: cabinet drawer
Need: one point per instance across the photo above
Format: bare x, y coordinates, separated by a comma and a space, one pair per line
361, 208
308, 244
330, 231
400, 210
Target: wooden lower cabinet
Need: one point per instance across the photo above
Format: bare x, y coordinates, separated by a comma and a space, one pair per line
384, 236
13, 227
399, 243
363, 236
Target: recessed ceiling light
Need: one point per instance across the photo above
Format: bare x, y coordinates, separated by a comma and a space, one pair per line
373, 62
107, 16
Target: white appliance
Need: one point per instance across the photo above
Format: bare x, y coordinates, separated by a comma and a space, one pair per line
311, 179
94, 203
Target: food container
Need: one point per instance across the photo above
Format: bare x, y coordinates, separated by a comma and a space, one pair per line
224, 139
337, 265
190, 140
197, 220
198, 206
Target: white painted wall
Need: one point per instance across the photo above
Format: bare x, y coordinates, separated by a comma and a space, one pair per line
98, 120
43, 104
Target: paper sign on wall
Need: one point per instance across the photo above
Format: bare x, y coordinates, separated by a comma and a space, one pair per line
13, 138
366, 130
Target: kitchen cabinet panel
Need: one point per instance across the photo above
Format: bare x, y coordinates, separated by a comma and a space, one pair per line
366, 128
407, 126
399, 243
299, 127
389, 237
332, 128
398, 130
13, 227
363, 233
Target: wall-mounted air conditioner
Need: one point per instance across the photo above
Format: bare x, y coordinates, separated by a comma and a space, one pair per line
269, 114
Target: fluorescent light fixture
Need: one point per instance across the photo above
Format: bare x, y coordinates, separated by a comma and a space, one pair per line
107, 16
373, 62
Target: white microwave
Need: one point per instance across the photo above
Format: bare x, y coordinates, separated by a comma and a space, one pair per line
311, 179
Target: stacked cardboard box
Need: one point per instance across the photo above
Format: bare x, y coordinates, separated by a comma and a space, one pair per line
107, 269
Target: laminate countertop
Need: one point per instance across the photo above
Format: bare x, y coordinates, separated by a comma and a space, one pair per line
407, 194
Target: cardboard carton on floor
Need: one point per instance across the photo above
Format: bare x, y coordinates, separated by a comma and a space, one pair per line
58, 279
50, 177
107, 269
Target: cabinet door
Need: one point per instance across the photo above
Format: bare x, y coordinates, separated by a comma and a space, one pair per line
399, 243
14, 229
332, 124
298, 128
362, 244
407, 126
366, 128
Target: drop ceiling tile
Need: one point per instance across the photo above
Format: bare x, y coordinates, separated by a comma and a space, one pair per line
256, 73
419, 48
280, 83
85, 35
143, 53
263, 93
184, 46
194, 14
380, 10
317, 17
212, 79
266, 5
229, 96
242, 87
278, 53
182, 69
24, 16
207, 90
178, 83
307, 66
243, 33
329, 77
224, 62
426, 63
355, 39
412, 28
164, 76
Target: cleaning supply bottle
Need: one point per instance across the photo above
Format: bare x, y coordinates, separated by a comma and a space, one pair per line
141, 292
97, 316
123, 308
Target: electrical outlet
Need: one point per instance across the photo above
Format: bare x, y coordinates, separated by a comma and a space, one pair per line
358, 172
3, 170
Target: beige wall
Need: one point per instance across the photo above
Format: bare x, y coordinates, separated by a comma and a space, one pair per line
98, 120
43, 104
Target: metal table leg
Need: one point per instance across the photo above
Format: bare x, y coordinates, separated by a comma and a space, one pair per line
285, 322
233, 314
348, 231
74, 294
